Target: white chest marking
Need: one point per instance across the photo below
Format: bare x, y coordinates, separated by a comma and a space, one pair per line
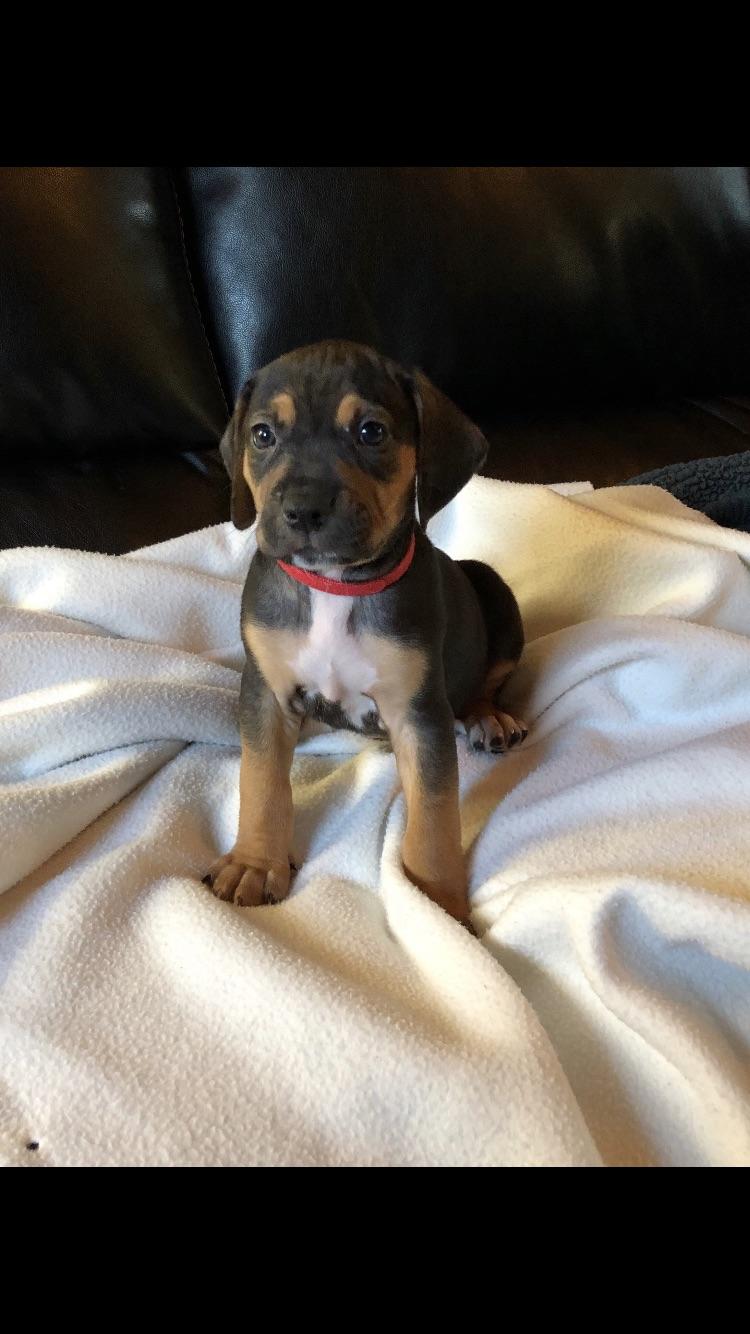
331, 661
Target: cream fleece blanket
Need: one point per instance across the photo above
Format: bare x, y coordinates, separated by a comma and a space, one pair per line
603, 1016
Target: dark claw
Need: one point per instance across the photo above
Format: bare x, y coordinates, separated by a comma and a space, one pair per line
478, 745
270, 898
207, 880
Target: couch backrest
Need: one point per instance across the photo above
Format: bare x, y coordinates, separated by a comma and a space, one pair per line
134, 301
101, 341
512, 287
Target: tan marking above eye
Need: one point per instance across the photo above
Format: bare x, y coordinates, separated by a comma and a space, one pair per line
282, 405
350, 407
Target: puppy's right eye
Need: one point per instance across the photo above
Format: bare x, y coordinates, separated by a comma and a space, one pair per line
371, 433
262, 436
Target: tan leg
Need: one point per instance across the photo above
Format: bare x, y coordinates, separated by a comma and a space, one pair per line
431, 851
413, 706
425, 750
257, 870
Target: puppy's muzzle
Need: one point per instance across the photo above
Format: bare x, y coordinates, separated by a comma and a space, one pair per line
306, 507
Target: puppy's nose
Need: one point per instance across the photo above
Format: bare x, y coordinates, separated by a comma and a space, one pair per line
306, 511
303, 517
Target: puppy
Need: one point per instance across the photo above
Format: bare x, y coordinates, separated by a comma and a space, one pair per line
349, 614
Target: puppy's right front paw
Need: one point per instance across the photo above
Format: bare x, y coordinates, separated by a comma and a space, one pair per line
248, 882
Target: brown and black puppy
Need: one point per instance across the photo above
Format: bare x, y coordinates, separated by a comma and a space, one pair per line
332, 447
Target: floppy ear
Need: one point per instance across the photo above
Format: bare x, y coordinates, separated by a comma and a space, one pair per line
233, 454
451, 448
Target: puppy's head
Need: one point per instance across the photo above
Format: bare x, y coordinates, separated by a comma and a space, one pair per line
328, 446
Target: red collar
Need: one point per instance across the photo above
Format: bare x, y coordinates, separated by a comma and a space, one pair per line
351, 590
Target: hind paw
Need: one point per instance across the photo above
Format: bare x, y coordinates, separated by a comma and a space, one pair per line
490, 730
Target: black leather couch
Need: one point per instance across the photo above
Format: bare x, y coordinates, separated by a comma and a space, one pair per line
595, 322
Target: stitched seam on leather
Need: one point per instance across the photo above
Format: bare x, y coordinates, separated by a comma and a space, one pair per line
193, 292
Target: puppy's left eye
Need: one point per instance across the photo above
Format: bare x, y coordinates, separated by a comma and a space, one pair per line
371, 433
263, 436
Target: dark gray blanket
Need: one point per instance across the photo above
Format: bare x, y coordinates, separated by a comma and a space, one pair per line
717, 487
